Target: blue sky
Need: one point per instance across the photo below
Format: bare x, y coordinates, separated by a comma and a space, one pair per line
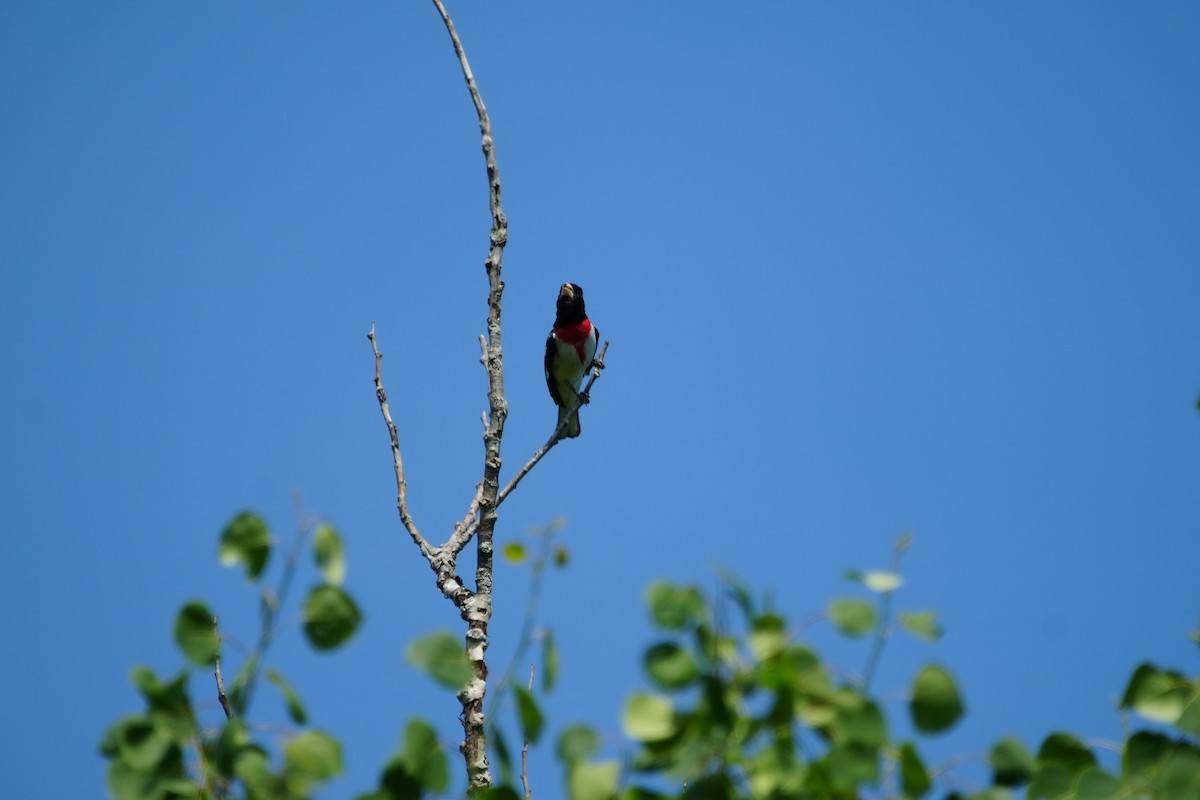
866, 268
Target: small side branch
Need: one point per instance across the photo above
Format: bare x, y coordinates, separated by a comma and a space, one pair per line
884, 630
525, 751
222, 698
427, 550
555, 437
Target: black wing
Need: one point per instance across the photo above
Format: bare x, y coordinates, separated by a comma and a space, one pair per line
549, 364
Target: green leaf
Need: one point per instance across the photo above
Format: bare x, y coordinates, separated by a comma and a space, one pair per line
329, 555
423, 756
330, 617
501, 751
181, 789
549, 661
768, 636
530, 716
648, 718
796, 668
562, 556
440, 655
1158, 695
246, 540
593, 781
1012, 763
1179, 778
295, 708
853, 617
166, 699
514, 553
881, 581
576, 743
1051, 781
936, 703
641, 793
229, 746
852, 765
861, 724
140, 743
127, 783
922, 624
877, 580
1096, 784
1066, 750
313, 756
670, 666
1144, 754
497, 793
196, 634
1189, 718
914, 777
253, 767
675, 608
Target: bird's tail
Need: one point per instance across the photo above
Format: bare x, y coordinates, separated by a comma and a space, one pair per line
573, 428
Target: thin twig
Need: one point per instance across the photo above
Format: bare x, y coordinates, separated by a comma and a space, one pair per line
427, 550
525, 638
557, 435
525, 750
885, 616
222, 698
270, 608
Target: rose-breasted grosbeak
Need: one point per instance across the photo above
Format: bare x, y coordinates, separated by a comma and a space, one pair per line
570, 352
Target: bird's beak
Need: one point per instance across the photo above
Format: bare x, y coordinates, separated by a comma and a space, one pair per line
566, 291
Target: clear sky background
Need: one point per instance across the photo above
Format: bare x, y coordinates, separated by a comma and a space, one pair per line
866, 268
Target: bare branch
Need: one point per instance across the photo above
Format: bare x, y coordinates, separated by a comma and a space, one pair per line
427, 550
222, 698
478, 609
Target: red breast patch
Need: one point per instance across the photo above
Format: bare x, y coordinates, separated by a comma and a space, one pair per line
576, 335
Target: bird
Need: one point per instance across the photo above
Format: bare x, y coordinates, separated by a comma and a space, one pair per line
570, 352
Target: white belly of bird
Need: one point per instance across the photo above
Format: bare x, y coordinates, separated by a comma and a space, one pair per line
568, 368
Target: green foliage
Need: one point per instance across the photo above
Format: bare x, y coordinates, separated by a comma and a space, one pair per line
852, 616
530, 716
167, 752
440, 655
328, 553
738, 706
1165, 696
743, 709
936, 703
196, 634
330, 617
291, 700
1012, 763
921, 624
246, 540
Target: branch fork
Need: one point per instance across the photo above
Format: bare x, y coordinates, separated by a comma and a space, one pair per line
479, 522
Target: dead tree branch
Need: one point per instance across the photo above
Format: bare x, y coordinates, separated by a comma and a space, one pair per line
478, 609
479, 522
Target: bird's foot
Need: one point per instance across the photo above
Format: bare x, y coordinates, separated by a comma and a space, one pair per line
584, 398
597, 364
